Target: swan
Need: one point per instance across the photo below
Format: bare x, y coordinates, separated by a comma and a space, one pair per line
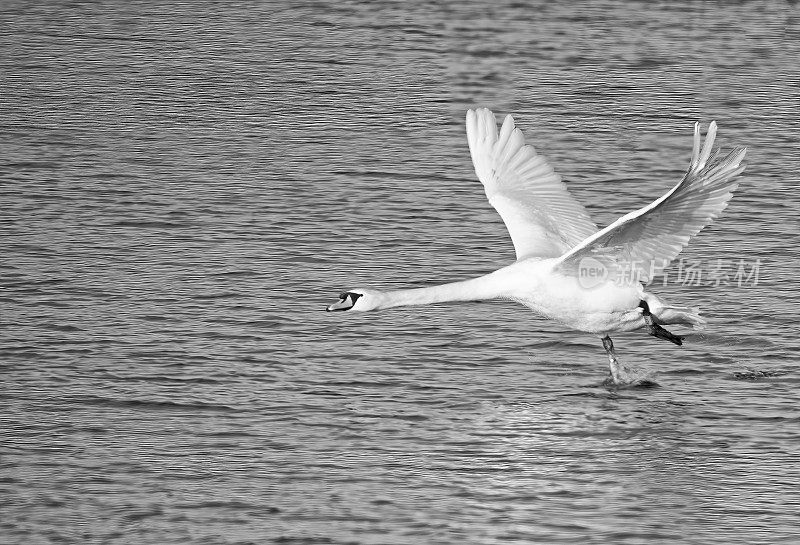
588, 279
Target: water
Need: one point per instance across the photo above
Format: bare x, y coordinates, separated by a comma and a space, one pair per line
185, 187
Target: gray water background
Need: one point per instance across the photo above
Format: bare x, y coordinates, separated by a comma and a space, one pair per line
185, 186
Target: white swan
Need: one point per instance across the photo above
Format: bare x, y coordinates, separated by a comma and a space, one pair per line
566, 269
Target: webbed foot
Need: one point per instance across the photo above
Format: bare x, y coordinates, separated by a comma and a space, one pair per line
656, 330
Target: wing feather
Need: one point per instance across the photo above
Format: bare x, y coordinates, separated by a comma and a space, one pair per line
541, 216
641, 244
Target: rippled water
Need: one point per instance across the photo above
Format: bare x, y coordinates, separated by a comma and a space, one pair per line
185, 187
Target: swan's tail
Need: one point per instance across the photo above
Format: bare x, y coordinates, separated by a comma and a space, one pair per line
669, 315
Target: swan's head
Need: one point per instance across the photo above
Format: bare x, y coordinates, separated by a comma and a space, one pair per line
359, 300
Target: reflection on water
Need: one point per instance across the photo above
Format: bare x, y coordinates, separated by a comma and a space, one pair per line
186, 187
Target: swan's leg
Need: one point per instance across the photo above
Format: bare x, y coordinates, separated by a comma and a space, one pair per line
613, 364
656, 330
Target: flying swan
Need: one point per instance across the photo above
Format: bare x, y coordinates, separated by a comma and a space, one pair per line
566, 269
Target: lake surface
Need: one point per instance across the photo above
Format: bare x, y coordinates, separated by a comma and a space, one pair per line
186, 187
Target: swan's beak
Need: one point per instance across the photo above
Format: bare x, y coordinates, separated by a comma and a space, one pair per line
341, 304
346, 301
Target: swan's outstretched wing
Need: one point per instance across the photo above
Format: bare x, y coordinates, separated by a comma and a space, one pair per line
541, 216
639, 245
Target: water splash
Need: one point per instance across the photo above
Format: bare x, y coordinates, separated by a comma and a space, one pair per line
755, 374
631, 377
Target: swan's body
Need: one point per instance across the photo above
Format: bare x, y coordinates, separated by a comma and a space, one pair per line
566, 269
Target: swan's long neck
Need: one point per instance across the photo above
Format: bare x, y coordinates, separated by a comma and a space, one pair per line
476, 289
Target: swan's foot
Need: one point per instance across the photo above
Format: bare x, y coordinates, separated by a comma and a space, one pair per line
613, 364
656, 330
